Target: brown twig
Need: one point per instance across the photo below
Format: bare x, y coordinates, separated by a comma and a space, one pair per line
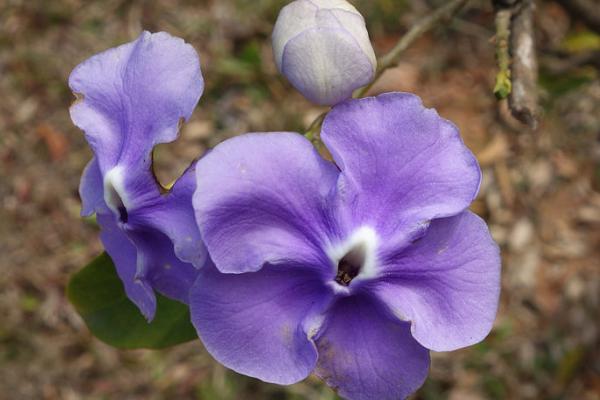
523, 98
517, 60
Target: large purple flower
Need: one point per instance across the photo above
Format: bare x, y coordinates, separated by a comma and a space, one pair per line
353, 269
131, 98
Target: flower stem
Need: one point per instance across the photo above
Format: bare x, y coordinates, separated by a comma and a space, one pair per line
503, 85
312, 133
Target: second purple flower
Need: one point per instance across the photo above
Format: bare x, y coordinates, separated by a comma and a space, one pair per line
133, 97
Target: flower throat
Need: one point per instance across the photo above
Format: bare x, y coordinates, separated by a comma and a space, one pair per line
350, 265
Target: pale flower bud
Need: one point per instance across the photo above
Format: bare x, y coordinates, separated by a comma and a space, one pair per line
323, 48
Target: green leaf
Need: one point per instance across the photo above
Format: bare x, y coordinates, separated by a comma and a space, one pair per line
99, 297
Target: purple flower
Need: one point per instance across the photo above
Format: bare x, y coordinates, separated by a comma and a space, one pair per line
353, 269
131, 98
323, 48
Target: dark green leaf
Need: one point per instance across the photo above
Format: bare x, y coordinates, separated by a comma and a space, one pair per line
98, 295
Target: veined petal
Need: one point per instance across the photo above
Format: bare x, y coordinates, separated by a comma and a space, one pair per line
366, 354
133, 97
253, 322
145, 261
263, 198
173, 215
124, 255
446, 284
157, 264
91, 190
402, 165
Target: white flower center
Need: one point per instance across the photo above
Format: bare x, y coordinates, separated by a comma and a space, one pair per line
355, 258
114, 193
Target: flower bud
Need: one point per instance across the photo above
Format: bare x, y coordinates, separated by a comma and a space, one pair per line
323, 48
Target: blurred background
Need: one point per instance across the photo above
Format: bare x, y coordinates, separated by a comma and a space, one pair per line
540, 193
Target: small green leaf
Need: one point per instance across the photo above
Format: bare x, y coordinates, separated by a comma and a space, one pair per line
99, 297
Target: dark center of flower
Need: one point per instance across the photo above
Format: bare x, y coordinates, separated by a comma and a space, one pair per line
123, 216
350, 265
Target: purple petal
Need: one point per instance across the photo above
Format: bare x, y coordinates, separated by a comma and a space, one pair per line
447, 283
254, 323
173, 215
133, 97
158, 265
91, 190
402, 165
263, 198
365, 354
124, 256
145, 261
